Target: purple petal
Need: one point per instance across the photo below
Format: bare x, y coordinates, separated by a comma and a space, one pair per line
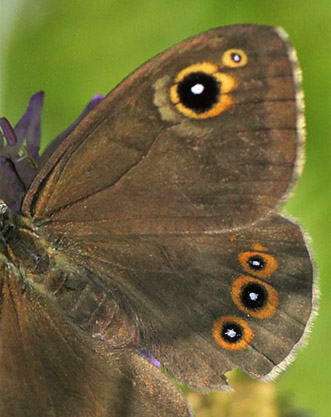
8, 132
150, 357
12, 189
17, 172
28, 127
26, 170
95, 100
59, 139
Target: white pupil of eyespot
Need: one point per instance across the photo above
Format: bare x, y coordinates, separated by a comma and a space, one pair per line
256, 263
236, 57
253, 296
197, 89
231, 333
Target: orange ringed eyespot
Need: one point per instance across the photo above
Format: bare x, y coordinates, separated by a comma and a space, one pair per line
200, 91
254, 297
232, 333
259, 264
234, 58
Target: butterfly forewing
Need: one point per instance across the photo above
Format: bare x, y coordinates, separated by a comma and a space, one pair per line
140, 164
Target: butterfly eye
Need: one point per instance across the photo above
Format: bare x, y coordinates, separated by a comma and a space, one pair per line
200, 91
232, 333
234, 58
259, 264
254, 297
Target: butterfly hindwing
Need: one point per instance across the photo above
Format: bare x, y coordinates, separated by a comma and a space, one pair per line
180, 286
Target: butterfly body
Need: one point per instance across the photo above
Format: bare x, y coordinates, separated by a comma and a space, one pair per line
155, 227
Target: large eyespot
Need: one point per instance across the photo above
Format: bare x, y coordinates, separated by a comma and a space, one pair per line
232, 333
234, 58
200, 91
259, 264
254, 297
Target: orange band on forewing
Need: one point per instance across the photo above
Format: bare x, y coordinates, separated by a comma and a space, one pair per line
206, 67
227, 81
221, 106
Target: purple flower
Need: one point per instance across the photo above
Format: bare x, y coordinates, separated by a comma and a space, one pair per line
20, 161
150, 357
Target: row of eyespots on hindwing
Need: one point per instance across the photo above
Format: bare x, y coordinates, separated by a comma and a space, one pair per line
251, 295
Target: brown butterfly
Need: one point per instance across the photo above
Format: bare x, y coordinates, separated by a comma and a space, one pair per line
155, 226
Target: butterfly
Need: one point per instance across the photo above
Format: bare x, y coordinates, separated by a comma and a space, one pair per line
155, 227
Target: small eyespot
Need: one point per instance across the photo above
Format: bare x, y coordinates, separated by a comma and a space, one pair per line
234, 58
232, 333
200, 91
254, 297
259, 264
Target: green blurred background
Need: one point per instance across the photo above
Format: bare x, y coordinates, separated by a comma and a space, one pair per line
74, 49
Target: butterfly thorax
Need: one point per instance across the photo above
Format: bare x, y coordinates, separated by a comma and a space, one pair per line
31, 261
22, 249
